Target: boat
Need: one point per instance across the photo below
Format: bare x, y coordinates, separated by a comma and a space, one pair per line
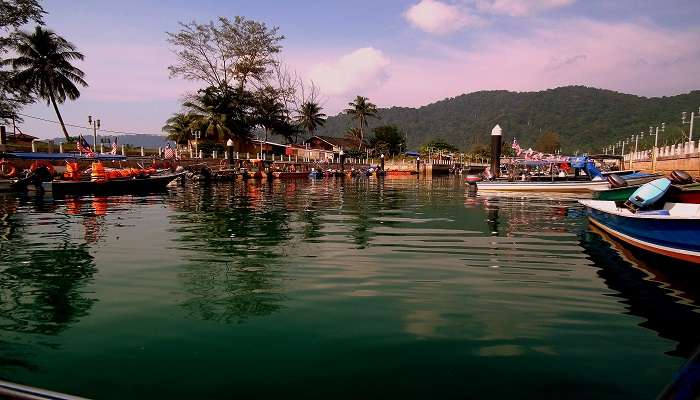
593, 179
672, 230
137, 184
290, 174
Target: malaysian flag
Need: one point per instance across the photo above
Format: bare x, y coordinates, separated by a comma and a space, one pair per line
83, 147
169, 152
516, 146
114, 147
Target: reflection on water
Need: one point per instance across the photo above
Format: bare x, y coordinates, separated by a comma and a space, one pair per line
408, 285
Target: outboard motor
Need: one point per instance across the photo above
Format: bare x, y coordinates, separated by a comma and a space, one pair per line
648, 194
616, 181
681, 178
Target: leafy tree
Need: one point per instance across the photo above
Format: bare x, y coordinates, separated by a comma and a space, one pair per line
268, 111
14, 14
310, 117
220, 53
178, 127
387, 139
361, 109
43, 67
548, 142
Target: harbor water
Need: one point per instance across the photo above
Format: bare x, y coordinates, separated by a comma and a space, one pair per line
355, 288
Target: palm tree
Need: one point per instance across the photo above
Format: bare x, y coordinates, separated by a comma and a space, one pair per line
269, 112
178, 127
44, 67
204, 116
360, 109
310, 117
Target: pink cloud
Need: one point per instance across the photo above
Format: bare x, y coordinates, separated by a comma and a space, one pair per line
439, 17
357, 70
633, 58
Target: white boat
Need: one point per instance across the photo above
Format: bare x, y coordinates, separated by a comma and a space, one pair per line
672, 231
543, 186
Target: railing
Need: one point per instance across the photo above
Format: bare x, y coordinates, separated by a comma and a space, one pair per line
685, 149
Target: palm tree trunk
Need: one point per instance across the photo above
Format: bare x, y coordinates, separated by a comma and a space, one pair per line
58, 114
362, 133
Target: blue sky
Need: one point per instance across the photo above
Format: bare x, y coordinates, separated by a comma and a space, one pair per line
403, 53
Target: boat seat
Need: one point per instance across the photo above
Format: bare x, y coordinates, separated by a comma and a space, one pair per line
683, 209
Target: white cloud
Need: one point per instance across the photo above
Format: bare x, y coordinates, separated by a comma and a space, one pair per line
440, 18
519, 8
361, 69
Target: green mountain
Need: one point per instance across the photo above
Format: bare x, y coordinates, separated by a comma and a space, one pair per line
585, 118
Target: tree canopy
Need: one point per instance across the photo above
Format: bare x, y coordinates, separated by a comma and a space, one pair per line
548, 142
223, 52
387, 139
14, 14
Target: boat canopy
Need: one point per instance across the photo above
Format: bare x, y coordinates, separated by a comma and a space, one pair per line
62, 156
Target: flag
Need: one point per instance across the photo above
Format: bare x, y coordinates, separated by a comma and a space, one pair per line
515, 146
169, 152
114, 147
83, 147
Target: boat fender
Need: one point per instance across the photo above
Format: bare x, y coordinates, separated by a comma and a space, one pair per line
472, 178
681, 177
616, 181
8, 170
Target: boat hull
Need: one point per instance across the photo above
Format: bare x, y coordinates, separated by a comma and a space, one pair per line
672, 237
561, 187
111, 187
290, 175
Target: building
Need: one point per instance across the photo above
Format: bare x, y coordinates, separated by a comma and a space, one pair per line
328, 143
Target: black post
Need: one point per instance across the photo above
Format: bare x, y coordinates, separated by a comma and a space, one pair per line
418, 165
341, 158
3, 135
496, 151
382, 162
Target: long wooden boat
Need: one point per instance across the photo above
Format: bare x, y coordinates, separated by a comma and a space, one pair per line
673, 231
144, 184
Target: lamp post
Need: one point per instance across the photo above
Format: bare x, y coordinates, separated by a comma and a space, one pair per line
418, 164
684, 115
196, 135
95, 126
655, 151
382, 162
341, 157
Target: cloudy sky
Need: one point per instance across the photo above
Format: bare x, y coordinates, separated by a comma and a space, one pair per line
396, 52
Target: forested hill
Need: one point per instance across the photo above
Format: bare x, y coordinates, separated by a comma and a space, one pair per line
585, 118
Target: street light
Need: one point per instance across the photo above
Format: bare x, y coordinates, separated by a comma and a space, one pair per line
95, 126
656, 144
196, 135
684, 115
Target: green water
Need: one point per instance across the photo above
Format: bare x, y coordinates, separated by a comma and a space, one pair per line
363, 288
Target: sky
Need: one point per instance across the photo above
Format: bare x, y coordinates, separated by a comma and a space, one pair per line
396, 52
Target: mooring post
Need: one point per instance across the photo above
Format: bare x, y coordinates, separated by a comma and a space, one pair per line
496, 138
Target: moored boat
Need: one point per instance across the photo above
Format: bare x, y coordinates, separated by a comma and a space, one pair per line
136, 184
673, 230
